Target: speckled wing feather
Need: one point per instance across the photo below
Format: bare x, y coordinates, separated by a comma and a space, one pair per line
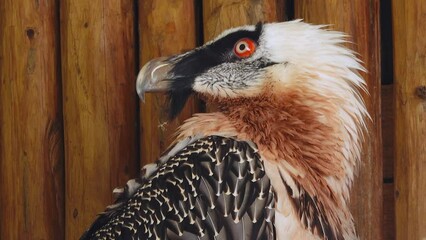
312, 215
213, 188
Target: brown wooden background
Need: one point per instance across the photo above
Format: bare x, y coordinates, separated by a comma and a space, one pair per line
72, 128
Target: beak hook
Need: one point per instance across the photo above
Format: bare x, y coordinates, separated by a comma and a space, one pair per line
153, 76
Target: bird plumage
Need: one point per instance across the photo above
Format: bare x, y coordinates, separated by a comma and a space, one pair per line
213, 188
292, 97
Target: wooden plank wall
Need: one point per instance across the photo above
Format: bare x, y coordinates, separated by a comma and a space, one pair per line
98, 71
31, 136
72, 128
410, 118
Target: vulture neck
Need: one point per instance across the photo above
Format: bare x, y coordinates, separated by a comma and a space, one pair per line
301, 136
287, 128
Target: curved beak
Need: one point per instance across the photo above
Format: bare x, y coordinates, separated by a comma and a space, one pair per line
175, 75
154, 77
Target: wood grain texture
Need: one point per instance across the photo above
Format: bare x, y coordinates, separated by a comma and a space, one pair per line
31, 138
220, 15
410, 118
164, 29
388, 211
360, 19
388, 133
388, 136
100, 108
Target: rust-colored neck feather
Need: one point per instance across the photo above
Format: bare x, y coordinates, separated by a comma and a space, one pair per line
296, 131
289, 130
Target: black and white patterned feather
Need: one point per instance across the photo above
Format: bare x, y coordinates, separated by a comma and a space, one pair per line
312, 215
212, 188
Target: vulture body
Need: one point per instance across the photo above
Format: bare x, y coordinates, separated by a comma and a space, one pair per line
278, 158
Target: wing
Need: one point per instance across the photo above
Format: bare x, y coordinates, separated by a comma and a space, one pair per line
213, 188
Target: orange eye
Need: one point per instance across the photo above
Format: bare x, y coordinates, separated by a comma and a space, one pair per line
244, 48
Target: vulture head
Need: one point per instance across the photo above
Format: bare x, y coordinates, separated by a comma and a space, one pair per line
253, 61
293, 89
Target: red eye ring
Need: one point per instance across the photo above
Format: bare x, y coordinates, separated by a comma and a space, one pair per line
244, 48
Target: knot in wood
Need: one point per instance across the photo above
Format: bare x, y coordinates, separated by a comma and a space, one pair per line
30, 33
421, 92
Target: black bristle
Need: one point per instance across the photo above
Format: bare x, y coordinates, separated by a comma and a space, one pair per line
177, 101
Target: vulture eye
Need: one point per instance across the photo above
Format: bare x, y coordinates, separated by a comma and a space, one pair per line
244, 48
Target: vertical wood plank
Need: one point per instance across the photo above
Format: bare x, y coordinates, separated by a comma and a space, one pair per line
360, 19
219, 15
31, 135
165, 29
410, 118
98, 69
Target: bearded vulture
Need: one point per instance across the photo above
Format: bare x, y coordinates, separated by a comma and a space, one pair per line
278, 158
